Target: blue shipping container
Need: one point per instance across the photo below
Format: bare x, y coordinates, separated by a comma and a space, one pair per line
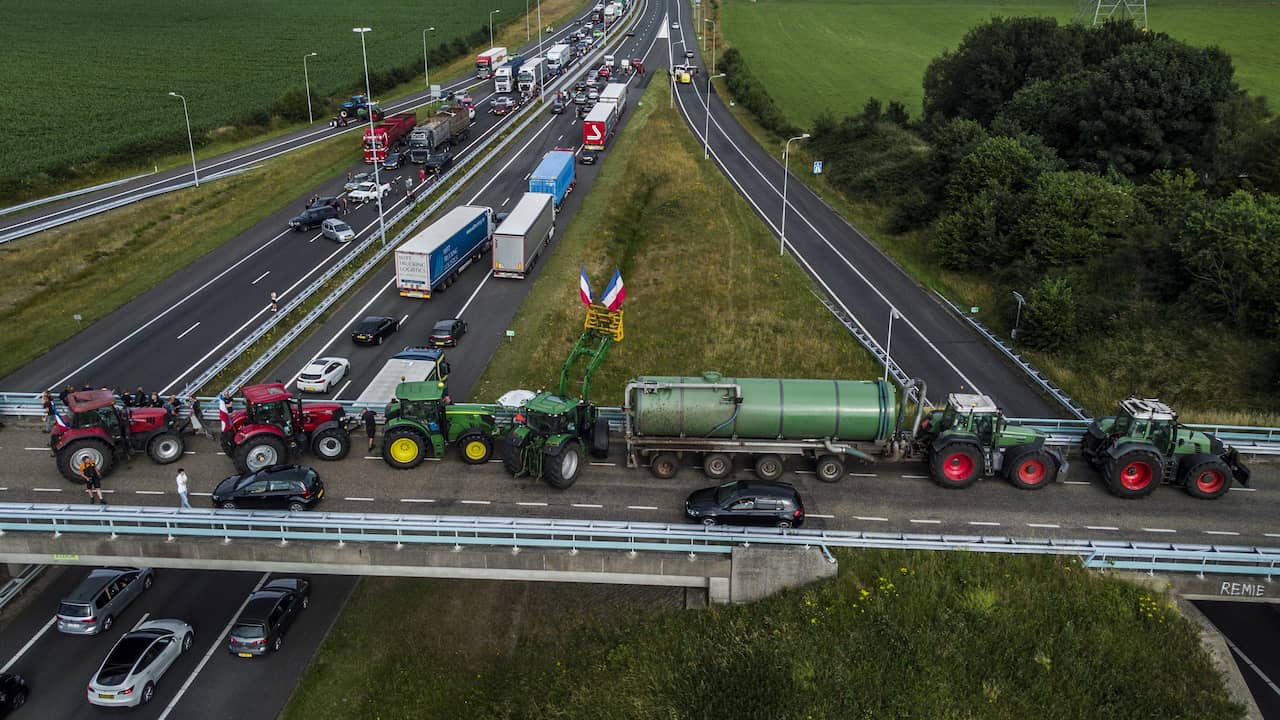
457, 249
426, 261
554, 175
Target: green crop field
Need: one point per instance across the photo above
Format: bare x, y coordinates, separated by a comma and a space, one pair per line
816, 55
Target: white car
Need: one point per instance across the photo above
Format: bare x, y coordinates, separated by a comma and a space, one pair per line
322, 374
359, 178
129, 675
675, 26
367, 191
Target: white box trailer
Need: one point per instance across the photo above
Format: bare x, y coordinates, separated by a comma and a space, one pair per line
413, 364
614, 94
522, 236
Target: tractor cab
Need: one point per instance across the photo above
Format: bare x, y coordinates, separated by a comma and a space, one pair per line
1149, 420
549, 414
421, 402
422, 420
97, 409
272, 405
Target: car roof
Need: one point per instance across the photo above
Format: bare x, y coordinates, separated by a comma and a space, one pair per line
759, 487
260, 604
374, 319
446, 323
93, 583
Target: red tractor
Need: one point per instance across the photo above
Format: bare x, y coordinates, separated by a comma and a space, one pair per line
106, 432
274, 424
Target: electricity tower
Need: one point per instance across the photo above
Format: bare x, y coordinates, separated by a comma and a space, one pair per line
1096, 12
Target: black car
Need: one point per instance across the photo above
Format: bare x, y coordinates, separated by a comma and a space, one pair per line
580, 86
393, 161
313, 216
374, 329
447, 332
587, 157
557, 107
743, 502
438, 162
267, 615
288, 487
323, 201
13, 693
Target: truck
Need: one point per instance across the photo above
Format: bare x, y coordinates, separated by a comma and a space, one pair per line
597, 13
422, 422
440, 130
610, 13
432, 259
555, 174
488, 61
504, 78
614, 94
598, 126
529, 80
523, 234
379, 139
558, 58
413, 364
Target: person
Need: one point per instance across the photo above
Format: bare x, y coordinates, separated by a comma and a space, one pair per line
181, 480
154, 401
92, 481
370, 419
348, 178
275, 301
346, 209
87, 386
66, 391
46, 405
140, 398
408, 187
197, 424
171, 406
422, 174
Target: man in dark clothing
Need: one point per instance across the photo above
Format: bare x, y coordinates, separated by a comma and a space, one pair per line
92, 481
140, 398
62, 396
370, 420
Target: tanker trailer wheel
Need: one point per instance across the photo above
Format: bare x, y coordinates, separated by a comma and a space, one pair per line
476, 449
165, 448
1134, 474
258, 452
77, 451
956, 465
560, 466
717, 466
664, 466
513, 454
331, 444
600, 439
403, 448
1208, 480
830, 469
769, 467
1030, 469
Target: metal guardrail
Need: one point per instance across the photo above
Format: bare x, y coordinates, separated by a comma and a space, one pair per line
515, 533
16, 585
74, 193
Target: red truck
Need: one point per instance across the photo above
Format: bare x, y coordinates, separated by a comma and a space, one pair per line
379, 139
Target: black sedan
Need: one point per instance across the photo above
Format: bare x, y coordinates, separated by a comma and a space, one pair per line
374, 329
312, 217
266, 617
744, 502
392, 161
587, 157
13, 693
277, 487
447, 332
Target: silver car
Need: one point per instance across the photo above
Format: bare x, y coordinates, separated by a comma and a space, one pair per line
92, 607
337, 230
133, 668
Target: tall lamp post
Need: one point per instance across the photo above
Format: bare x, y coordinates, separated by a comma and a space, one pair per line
713, 43
527, 34
706, 130
542, 94
491, 14
426, 71
888, 343
190, 141
786, 155
306, 78
1017, 319
377, 179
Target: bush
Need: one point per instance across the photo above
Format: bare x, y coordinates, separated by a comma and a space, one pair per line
750, 93
1049, 319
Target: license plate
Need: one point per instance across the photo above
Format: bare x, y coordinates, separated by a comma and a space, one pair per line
107, 696
249, 655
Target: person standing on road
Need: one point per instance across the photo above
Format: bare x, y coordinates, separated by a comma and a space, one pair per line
422, 174
275, 301
46, 405
92, 481
408, 187
370, 419
197, 424
181, 480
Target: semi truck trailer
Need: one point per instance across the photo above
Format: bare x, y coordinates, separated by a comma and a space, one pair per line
432, 259
555, 175
413, 364
379, 139
521, 237
489, 60
440, 131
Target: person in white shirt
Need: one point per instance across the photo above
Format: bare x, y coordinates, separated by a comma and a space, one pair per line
182, 488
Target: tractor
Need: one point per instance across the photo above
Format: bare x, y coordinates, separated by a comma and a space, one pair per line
275, 424
551, 429
358, 106
420, 422
970, 438
106, 432
1144, 446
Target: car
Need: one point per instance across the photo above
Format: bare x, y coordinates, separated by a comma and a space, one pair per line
580, 85
322, 201
605, 72
465, 100
266, 617
374, 329
688, 54
312, 217
447, 332
743, 502
631, 33
13, 693
593, 95
282, 487
357, 179
337, 230
608, 60
579, 98
587, 158
597, 34
321, 374
392, 161
675, 26
438, 162
557, 107
503, 105
100, 598
365, 192
129, 674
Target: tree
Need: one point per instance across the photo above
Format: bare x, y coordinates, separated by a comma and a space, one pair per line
1049, 322
897, 114
1071, 216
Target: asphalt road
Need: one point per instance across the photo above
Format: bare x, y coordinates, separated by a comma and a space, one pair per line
1251, 630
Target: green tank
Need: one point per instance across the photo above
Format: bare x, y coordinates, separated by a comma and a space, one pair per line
767, 408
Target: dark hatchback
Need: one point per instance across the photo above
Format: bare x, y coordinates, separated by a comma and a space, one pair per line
374, 329
266, 617
437, 162
278, 487
743, 502
447, 332
13, 693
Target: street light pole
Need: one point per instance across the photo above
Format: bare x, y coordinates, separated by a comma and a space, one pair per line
190, 141
373, 138
888, 343
426, 71
706, 130
786, 155
713, 43
528, 35
1018, 317
306, 78
491, 14
542, 80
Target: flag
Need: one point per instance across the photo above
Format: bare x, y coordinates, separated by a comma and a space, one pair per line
584, 287
223, 413
61, 421
615, 293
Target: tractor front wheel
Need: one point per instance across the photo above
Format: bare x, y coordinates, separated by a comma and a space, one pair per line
1134, 474
560, 469
513, 453
956, 465
331, 444
71, 457
403, 449
1031, 469
476, 449
258, 452
600, 439
1208, 480
165, 448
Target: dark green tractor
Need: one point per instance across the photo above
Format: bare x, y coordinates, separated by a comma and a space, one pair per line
421, 423
1144, 446
971, 438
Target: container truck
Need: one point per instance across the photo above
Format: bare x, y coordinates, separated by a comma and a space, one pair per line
432, 259
610, 13
489, 60
379, 139
558, 58
614, 94
598, 125
530, 78
597, 13
554, 175
440, 130
521, 237
504, 78
413, 364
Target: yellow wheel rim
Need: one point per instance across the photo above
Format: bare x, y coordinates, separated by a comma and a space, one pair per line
475, 450
404, 450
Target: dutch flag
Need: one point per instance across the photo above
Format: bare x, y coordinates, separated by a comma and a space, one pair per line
59, 420
615, 293
224, 414
584, 287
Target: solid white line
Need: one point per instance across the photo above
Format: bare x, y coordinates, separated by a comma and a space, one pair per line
1102, 527
1255, 668
870, 519
361, 499
1050, 526
217, 643
255, 280
474, 502
416, 500
987, 524
39, 633
1220, 532
1158, 530
141, 620
649, 507
926, 522
193, 327
345, 385
47, 489
819, 515
148, 492
532, 504
587, 505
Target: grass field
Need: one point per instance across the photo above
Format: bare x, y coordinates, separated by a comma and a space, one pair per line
816, 55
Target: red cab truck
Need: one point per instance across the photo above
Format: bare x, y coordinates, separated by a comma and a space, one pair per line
379, 139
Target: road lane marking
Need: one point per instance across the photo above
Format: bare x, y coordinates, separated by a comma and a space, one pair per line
141, 620
504, 202
916, 477
863, 474
46, 489
1220, 532
359, 499
1158, 530
39, 633
1075, 482
1271, 534
201, 494
406, 317
926, 522
643, 507
587, 505
984, 523
474, 502
820, 515
39, 448
603, 464
1102, 527
870, 519
1240, 489
148, 492
344, 330
1049, 526
372, 457
416, 500
217, 644
255, 280
345, 385
532, 504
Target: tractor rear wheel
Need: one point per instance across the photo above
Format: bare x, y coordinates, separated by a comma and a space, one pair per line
1134, 474
717, 466
77, 451
664, 466
331, 444
1030, 469
258, 452
561, 468
600, 439
165, 448
403, 448
476, 449
769, 467
513, 454
1208, 480
956, 465
830, 468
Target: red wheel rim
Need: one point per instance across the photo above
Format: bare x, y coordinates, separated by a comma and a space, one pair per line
1136, 475
957, 467
1031, 472
1210, 481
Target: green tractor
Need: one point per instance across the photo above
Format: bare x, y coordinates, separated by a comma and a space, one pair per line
971, 438
1144, 446
421, 422
552, 429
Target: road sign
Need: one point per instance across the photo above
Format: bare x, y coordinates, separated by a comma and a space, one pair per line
817, 167
435, 90
595, 133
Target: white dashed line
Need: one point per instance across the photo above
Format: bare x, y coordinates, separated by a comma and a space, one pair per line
1075, 482
1271, 534
532, 504
587, 505
984, 524
926, 522
372, 457
201, 494
406, 317
184, 332
637, 507
916, 477
604, 464
46, 489
1102, 527
255, 282
188, 452
870, 519
416, 500
39, 448
360, 499
148, 492
819, 515
1049, 526
3, 489
1236, 489
474, 502
1220, 532
863, 474
141, 620
1158, 530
